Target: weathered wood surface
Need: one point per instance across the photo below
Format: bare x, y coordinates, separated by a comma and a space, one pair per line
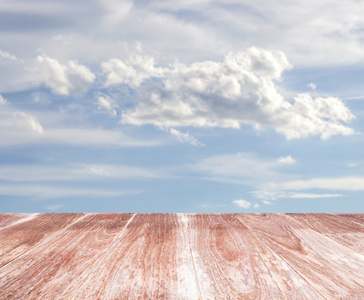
181, 256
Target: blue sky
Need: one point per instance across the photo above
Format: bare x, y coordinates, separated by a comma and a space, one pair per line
181, 106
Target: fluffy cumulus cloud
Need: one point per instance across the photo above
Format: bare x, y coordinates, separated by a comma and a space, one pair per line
286, 160
133, 72
242, 89
312, 86
242, 203
319, 116
64, 79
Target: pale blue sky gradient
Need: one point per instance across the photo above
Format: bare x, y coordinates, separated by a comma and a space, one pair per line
181, 106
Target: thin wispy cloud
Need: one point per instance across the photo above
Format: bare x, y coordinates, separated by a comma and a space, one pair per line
7, 55
239, 168
352, 183
19, 127
2, 100
27, 122
185, 138
54, 207
77, 172
45, 191
275, 195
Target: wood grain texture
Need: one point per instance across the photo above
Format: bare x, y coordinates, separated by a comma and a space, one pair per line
181, 256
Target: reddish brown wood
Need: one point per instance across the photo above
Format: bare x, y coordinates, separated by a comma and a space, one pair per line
181, 256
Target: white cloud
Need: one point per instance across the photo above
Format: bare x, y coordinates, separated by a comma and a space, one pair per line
309, 32
264, 177
115, 11
124, 172
175, 5
358, 97
340, 184
95, 136
106, 103
2, 100
256, 205
242, 203
64, 79
319, 116
15, 127
185, 138
313, 26
312, 86
33, 173
240, 168
54, 207
27, 122
55, 128
266, 202
286, 160
275, 195
99, 171
239, 90
7, 55
45, 191
313, 196
132, 72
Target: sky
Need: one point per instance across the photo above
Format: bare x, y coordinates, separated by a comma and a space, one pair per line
196, 106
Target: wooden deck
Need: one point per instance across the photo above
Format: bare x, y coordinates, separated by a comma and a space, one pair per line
181, 256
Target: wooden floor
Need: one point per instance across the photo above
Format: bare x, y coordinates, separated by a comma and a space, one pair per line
182, 256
